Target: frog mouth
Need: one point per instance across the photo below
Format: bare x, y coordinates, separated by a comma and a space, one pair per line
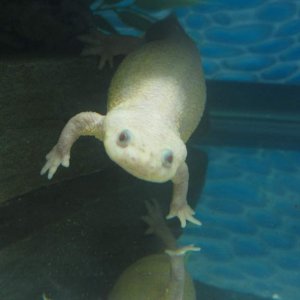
153, 175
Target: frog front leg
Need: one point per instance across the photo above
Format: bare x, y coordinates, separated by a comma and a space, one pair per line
85, 123
179, 206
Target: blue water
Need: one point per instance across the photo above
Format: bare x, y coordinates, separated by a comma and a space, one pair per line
253, 40
250, 206
250, 209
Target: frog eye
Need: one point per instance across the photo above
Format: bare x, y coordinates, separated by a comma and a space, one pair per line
167, 158
124, 138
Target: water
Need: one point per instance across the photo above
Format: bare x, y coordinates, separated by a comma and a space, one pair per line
250, 212
73, 238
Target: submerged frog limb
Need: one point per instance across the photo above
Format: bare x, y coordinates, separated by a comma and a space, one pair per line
158, 226
160, 276
179, 206
175, 290
108, 46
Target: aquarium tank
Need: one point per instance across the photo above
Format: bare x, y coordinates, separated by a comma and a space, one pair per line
107, 228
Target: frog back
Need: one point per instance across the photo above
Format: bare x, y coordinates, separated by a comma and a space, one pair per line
164, 77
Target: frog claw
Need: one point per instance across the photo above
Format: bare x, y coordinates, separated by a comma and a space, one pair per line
184, 213
54, 159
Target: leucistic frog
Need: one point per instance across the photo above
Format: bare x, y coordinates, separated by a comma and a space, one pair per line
155, 101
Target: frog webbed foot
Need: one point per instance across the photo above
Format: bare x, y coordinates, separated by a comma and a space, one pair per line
184, 213
108, 46
154, 219
54, 159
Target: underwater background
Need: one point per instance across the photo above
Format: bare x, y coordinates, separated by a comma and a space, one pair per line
250, 205
250, 202
251, 40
